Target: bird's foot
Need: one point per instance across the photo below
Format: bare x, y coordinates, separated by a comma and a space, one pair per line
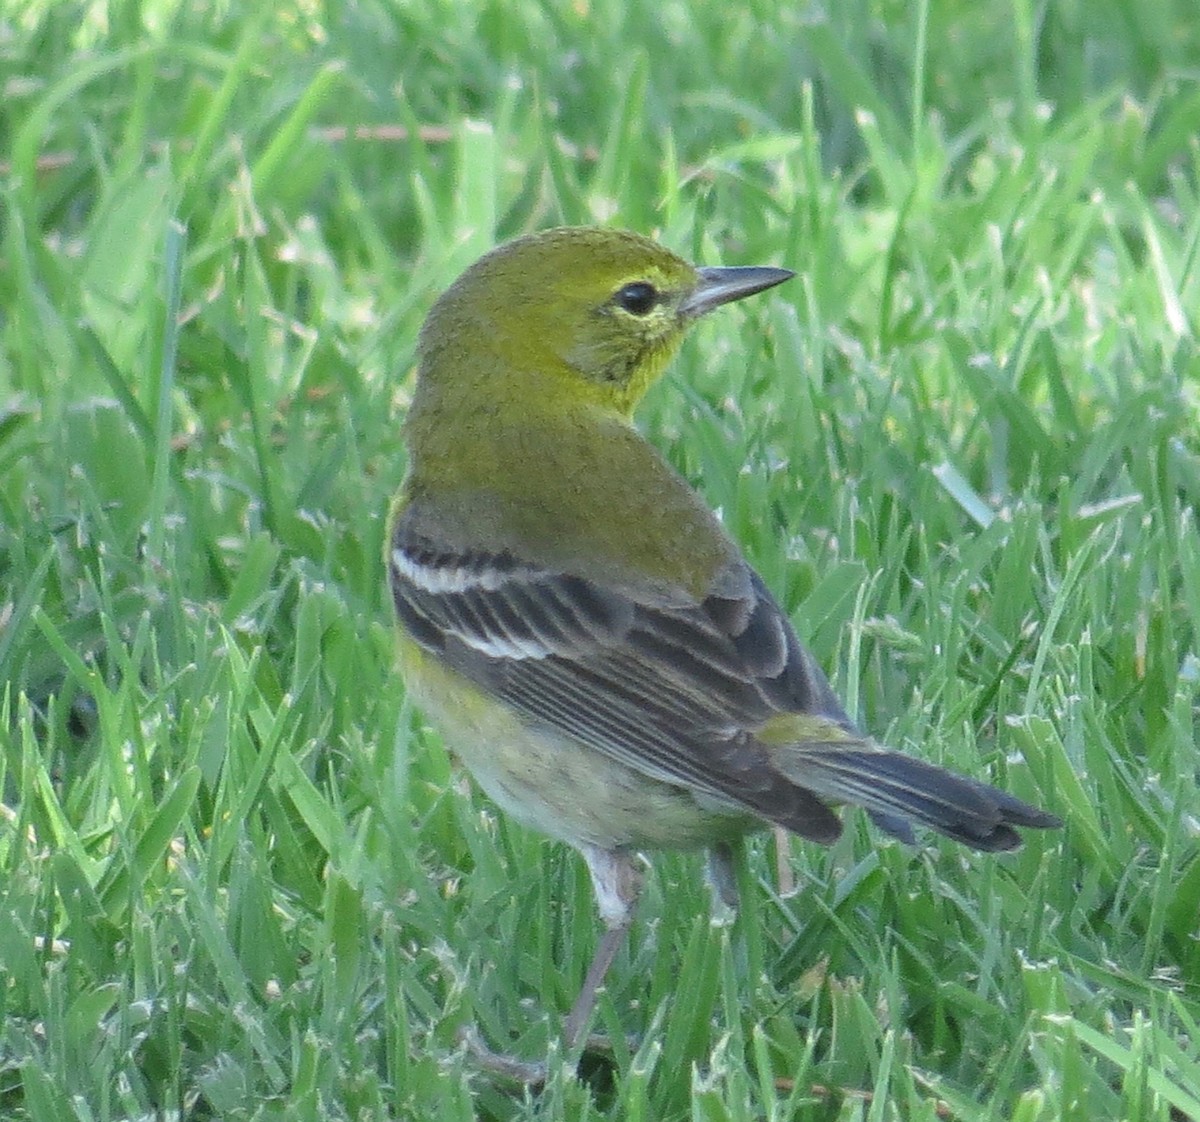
530, 1073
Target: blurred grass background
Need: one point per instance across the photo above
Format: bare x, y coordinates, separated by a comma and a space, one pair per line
240, 879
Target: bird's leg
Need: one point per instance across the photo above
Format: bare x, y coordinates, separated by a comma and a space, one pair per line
617, 882
722, 879
581, 1011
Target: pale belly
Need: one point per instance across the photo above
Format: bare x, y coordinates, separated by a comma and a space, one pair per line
557, 785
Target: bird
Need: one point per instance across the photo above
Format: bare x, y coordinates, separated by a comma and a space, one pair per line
576, 621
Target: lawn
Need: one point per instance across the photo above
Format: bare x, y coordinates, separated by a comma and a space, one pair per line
241, 878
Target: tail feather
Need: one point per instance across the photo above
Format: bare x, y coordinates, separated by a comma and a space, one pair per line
896, 789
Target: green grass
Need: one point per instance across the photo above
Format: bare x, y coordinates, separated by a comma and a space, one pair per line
239, 878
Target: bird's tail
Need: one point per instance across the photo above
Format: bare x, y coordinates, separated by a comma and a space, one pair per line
897, 790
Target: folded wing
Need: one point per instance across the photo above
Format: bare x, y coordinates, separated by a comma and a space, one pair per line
714, 695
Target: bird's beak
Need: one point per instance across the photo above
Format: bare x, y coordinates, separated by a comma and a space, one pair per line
719, 285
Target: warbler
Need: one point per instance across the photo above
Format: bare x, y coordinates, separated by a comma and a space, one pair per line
575, 619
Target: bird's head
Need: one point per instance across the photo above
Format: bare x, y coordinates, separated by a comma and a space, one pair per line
598, 311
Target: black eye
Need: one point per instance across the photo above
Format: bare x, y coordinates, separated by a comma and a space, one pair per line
637, 298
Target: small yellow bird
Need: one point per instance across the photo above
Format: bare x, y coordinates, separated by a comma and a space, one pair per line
575, 619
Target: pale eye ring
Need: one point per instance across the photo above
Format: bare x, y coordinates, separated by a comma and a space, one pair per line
637, 298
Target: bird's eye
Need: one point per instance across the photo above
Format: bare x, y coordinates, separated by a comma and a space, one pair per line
637, 298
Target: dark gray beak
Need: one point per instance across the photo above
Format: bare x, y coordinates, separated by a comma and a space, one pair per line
719, 285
